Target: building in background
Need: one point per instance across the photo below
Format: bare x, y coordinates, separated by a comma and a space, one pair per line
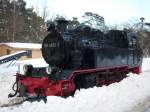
9, 48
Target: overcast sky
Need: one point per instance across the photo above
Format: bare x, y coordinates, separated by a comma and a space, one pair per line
114, 11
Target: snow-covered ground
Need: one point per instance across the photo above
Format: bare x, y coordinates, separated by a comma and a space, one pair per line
124, 96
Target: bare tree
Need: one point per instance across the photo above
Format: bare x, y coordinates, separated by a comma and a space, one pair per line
36, 7
44, 9
94, 20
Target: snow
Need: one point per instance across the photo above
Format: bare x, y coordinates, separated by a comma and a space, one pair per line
23, 45
6, 81
117, 97
146, 64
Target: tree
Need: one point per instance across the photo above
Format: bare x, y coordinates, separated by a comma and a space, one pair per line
135, 25
44, 11
94, 20
23, 22
72, 24
4, 20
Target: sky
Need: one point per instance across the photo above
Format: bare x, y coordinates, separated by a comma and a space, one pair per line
114, 11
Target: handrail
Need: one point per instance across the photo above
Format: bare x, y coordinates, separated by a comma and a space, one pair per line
14, 56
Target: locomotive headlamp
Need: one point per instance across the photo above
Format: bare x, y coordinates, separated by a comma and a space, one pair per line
48, 70
25, 68
28, 69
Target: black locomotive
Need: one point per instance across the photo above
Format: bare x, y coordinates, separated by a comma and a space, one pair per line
81, 58
87, 48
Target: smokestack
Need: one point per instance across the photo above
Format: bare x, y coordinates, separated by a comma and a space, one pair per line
62, 25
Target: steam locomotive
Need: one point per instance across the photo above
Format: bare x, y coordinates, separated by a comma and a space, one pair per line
80, 58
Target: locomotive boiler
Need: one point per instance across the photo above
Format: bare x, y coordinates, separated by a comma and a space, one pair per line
80, 58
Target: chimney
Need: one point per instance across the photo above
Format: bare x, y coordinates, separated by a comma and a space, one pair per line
62, 25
